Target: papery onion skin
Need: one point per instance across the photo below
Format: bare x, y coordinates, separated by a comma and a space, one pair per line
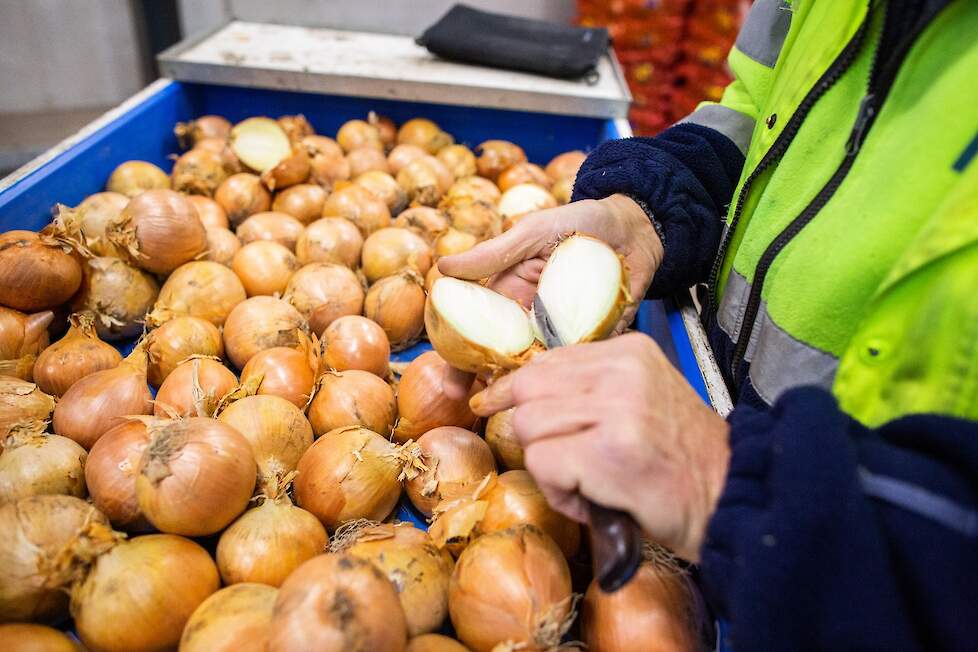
401, 155
221, 147
422, 403
198, 172
360, 206
264, 267
523, 172
355, 342
354, 134
20, 400
562, 190
352, 398
96, 212
110, 473
522, 199
177, 393
503, 441
386, 127
160, 231
241, 196
235, 619
291, 170
286, 373
477, 218
453, 242
425, 180
497, 155
118, 294
222, 244
303, 201
202, 289
472, 188
391, 250
34, 463
330, 240
396, 303
425, 134
366, 159
176, 340
459, 160
434, 643
37, 273
211, 214
195, 477
327, 162
115, 614
323, 292
429, 279
566, 165
458, 460
337, 603
296, 127
275, 227
206, 126
426, 221
349, 473
133, 177
260, 323
29, 637
22, 337
384, 187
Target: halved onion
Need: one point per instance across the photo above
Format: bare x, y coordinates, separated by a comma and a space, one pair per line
203, 289
271, 225
397, 304
360, 206
260, 143
322, 292
330, 240
497, 155
303, 202
235, 619
391, 250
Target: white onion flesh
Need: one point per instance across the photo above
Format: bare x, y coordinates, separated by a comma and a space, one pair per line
484, 317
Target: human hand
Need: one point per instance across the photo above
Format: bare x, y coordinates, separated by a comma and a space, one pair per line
615, 423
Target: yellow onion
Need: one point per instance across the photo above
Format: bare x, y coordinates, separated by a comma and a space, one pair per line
497, 155
195, 477
562, 190
337, 603
22, 337
79, 353
385, 127
235, 619
355, 342
220, 146
347, 474
322, 292
503, 442
523, 172
206, 126
294, 168
425, 134
176, 340
453, 242
160, 230
198, 172
241, 196
366, 159
212, 215
110, 473
429, 279
406, 555
264, 267
459, 160
385, 187
355, 134
261, 323
327, 162
118, 295
296, 127
276, 227
28, 637
360, 206
421, 401
221, 246
425, 180
20, 400
268, 542
566, 165
392, 250
427, 222
456, 460
284, 372
330, 240
96, 402
522, 199
95, 214
303, 201
478, 218
396, 303
116, 614
194, 388
434, 643
278, 433
260, 143
202, 289
37, 272
133, 177
34, 463
401, 155
472, 188
511, 586
352, 398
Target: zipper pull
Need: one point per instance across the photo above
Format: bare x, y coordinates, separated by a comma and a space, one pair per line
867, 110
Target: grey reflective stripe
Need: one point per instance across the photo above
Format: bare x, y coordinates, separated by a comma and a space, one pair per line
733, 304
920, 501
762, 34
733, 124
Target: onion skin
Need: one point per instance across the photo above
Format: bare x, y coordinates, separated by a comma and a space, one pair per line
176, 394
260, 323
391, 250
426, 221
291, 170
505, 586
458, 460
118, 294
330, 240
337, 603
110, 473
221, 246
222, 147
434, 643
22, 337
235, 619
523, 172
303, 201
396, 303
212, 215
286, 373
497, 155
385, 127
264, 267
426, 180
477, 218
522, 199
198, 172
365, 159
327, 163
425, 134
503, 441
115, 614
354, 134
459, 160
22, 400
324, 292
360, 206
355, 342
37, 273
160, 230
33, 463
429, 279
176, 340
296, 127
268, 542
195, 477
384, 187
349, 473
202, 289
96, 212
241, 196
469, 189
133, 177
352, 398
206, 126
275, 227
566, 165
28, 637
401, 155
562, 190
453, 242
422, 404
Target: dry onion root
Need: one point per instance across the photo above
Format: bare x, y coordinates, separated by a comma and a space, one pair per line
391, 250
202, 289
503, 442
303, 201
523, 199
22, 400
352, 398
79, 353
264, 267
355, 342
178, 339
360, 206
37, 271
456, 461
110, 473
330, 240
22, 337
133, 177
235, 619
34, 463
118, 295
426, 221
241, 196
324, 292
425, 180
425, 134
273, 226
422, 403
198, 172
497, 155
190, 133
194, 388
397, 304
261, 323
159, 230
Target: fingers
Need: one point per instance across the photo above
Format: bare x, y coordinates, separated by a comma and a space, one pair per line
495, 398
526, 240
519, 282
551, 417
456, 384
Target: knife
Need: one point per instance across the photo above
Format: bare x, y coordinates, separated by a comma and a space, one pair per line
616, 539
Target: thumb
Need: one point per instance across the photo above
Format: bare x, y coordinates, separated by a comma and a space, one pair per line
527, 239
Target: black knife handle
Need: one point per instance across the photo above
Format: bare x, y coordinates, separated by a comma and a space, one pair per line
616, 547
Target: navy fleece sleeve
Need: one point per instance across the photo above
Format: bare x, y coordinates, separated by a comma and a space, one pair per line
832, 536
686, 176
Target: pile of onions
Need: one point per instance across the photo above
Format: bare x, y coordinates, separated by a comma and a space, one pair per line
425, 134
566, 165
337, 603
212, 215
79, 353
459, 160
37, 272
118, 294
396, 303
206, 126
352, 398
355, 134
477, 218
524, 198
523, 172
160, 231
296, 127
385, 127
425, 180
133, 177
562, 190
511, 586
497, 155
422, 403
22, 337
360, 206
202, 289
95, 213
424, 220
330, 240
401, 155
469, 189
433, 275
28, 637
326, 161
176, 340
194, 388
220, 146
198, 172
237, 617
33, 463
264, 267
110, 473
453, 242
94, 404
456, 460
303, 201
241, 196
355, 342
294, 168
284, 372
347, 474
221, 246
323, 292
22, 400
261, 323
417, 569
391, 250
273, 226
384, 187
367, 159
434, 643
503, 441
195, 477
